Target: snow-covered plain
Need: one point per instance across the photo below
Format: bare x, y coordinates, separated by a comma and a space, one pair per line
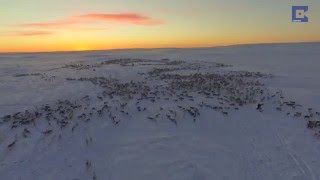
152, 124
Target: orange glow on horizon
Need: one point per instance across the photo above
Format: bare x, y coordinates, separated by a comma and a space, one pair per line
52, 44
89, 47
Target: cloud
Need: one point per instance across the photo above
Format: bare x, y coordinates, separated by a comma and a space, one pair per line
47, 33
89, 29
29, 33
47, 24
120, 18
127, 18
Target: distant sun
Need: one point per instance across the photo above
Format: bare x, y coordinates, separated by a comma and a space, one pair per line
82, 48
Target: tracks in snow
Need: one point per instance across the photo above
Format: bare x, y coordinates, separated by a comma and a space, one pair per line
293, 164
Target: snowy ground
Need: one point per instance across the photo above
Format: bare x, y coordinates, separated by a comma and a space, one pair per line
152, 124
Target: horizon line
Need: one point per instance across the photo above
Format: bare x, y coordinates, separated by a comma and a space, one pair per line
142, 48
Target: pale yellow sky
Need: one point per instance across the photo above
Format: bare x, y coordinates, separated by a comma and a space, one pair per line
47, 25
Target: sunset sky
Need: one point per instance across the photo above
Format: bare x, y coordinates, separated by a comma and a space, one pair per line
68, 25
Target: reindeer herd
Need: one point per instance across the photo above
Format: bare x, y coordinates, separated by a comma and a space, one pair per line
168, 90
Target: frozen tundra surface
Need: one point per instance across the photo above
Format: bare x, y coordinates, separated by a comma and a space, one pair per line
150, 143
